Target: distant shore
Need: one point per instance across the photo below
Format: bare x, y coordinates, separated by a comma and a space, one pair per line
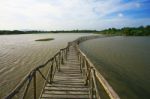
8, 32
127, 31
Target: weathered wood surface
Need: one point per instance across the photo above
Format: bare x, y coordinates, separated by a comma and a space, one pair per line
68, 82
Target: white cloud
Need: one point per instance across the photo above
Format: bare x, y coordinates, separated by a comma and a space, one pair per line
60, 14
120, 15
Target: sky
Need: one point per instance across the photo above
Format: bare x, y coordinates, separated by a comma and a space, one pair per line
73, 14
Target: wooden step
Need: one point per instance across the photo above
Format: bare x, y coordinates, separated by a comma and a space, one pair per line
66, 92
62, 85
48, 96
67, 89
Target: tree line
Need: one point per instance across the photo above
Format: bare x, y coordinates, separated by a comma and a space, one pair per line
35, 31
128, 31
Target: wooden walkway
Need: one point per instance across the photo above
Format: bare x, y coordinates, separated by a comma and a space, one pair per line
71, 75
69, 81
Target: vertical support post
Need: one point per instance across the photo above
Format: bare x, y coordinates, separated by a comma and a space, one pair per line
83, 61
59, 59
62, 57
79, 58
78, 53
95, 84
68, 49
68, 46
34, 84
66, 53
85, 67
81, 68
91, 85
57, 65
86, 72
27, 87
51, 71
80, 61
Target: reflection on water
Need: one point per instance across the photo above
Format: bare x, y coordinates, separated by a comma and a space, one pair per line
124, 62
21, 53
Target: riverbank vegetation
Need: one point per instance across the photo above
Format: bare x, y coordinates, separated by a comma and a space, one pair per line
8, 32
128, 31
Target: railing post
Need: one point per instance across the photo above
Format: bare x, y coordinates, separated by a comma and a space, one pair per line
51, 71
66, 53
62, 57
87, 71
81, 68
59, 57
80, 61
34, 84
68, 46
78, 53
91, 85
83, 62
27, 87
95, 84
57, 64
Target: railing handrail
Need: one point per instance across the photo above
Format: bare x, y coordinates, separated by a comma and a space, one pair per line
31, 74
112, 94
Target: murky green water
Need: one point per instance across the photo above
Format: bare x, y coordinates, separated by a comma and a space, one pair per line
21, 53
124, 62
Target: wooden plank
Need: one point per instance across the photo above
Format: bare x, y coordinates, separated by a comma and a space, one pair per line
70, 86
67, 88
69, 82
66, 92
65, 96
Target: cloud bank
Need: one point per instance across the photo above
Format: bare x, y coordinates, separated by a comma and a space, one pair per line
72, 14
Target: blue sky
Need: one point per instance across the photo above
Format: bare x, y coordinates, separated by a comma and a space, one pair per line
73, 14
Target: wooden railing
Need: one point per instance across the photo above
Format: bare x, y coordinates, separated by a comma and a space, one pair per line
25, 84
91, 74
85, 38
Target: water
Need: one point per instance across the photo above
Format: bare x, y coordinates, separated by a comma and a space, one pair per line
124, 62
21, 53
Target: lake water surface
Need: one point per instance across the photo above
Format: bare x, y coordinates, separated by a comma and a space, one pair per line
21, 53
124, 62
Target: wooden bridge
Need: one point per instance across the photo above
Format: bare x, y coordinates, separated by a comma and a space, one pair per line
71, 75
